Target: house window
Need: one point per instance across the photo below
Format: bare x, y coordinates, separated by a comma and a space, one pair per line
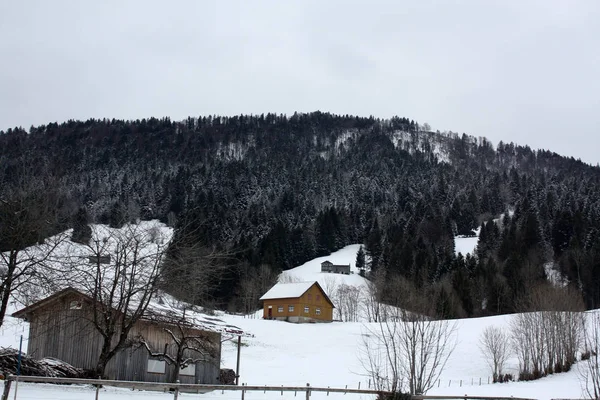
156, 366
306, 310
190, 370
318, 311
280, 309
290, 308
309, 296
318, 298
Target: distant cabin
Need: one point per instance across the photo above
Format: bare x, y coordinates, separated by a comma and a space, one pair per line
328, 266
60, 326
99, 259
297, 302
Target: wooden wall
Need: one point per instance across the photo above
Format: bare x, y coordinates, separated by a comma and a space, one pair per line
68, 334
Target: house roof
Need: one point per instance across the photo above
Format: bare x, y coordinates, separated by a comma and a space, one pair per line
335, 265
157, 313
22, 313
292, 291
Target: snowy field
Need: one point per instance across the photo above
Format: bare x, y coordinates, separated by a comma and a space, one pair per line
281, 353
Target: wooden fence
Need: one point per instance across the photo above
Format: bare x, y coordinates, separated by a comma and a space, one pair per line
176, 388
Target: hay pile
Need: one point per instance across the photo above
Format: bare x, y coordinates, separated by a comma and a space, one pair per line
31, 367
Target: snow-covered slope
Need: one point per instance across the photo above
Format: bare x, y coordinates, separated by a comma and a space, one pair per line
281, 353
311, 270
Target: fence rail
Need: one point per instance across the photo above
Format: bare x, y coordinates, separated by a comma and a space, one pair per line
176, 388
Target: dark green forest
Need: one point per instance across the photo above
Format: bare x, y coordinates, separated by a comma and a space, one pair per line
280, 190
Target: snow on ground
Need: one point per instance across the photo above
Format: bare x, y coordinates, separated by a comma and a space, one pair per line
466, 244
282, 353
311, 270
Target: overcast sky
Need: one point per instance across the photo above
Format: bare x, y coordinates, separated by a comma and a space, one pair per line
521, 71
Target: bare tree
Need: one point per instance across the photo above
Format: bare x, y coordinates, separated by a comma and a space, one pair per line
409, 350
373, 310
255, 283
495, 346
547, 334
286, 277
347, 299
590, 374
119, 269
27, 216
189, 344
191, 271
330, 285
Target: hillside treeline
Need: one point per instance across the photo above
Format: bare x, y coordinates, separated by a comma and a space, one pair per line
279, 190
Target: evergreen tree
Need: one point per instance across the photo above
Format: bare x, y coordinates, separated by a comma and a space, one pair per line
360, 261
82, 233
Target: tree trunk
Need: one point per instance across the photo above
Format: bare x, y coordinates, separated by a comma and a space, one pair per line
7, 284
105, 356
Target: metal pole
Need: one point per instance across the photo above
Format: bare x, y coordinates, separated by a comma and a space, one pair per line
18, 367
98, 388
237, 368
19, 359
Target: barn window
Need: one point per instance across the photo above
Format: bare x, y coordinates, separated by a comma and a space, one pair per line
290, 308
306, 309
75, 305
280, 309
190, 370
156, 366
318, 311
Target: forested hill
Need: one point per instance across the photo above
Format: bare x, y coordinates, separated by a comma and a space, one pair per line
281, 190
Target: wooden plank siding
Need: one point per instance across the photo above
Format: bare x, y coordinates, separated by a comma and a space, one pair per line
314, 298
57, 330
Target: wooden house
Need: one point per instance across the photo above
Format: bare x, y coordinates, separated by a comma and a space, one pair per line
60, 326
297, 302
328, 266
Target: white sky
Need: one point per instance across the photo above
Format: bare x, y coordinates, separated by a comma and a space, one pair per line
521, 71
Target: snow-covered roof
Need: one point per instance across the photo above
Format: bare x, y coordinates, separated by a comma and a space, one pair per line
287, 290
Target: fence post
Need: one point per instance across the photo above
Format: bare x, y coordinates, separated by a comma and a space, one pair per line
176, 393
243, 391
307, 391
98, 389
7, 384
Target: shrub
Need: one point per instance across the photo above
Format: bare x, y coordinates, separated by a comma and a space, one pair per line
394, 396
586, 355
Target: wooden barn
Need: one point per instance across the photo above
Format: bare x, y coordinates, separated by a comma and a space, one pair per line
297, 302
60, 326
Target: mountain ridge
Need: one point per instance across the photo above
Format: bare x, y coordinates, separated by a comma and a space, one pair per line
280, 190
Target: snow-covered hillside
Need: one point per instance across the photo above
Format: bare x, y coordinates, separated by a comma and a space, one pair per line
311, 270
281, 353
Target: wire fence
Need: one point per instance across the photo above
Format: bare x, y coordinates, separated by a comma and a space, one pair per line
243, 392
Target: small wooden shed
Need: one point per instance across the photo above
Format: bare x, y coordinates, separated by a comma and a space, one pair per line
297, 302
60, 326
